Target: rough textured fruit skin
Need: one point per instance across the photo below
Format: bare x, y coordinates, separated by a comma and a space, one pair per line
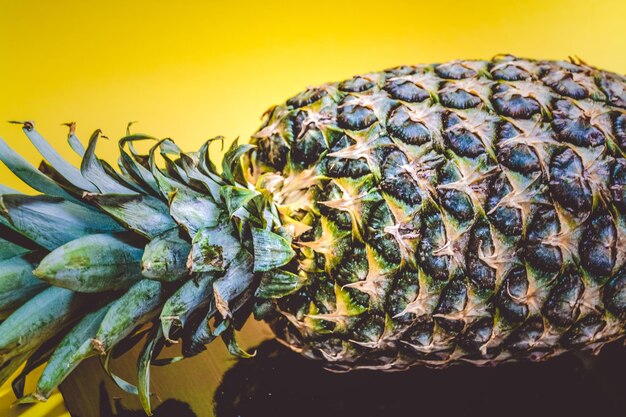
466, 211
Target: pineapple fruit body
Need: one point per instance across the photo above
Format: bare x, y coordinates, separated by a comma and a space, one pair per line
470, 211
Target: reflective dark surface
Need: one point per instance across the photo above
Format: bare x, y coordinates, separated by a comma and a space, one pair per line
278, 382
117, 409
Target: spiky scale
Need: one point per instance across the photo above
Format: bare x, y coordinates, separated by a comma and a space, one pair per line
518, 219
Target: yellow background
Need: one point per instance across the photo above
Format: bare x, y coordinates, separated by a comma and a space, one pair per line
192, 70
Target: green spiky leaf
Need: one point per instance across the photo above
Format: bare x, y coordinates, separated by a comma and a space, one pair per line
193, 211
94, 170
17, 283
63, 167
230, 339
71, 351
51, 221
136, 307
237, 279
29, 174
277, 284
191, 296
148, 353
7, 190
270, 250
93, 263
73, 141
236, 198
8, 367
141, 213
165, 257
138, 172
10, 249
231, 165
125, 386
213, 249
212, 184
40, 318
37, 358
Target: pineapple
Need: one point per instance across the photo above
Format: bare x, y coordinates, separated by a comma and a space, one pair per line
470, 211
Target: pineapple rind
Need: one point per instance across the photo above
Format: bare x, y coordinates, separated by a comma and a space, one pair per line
499, 186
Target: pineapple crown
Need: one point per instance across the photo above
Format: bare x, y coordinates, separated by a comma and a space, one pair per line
176, 244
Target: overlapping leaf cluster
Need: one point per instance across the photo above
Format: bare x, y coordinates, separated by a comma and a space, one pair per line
100, 253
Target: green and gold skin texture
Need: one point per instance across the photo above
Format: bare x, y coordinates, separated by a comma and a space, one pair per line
469, 211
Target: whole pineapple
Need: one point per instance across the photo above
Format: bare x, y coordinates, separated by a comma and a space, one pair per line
466, 211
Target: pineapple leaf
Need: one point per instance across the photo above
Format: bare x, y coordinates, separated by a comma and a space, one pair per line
93, 263
262, 309
231, 166
6, 190
166, 361
236, 280
49, 171
134, 168
191, 296
136, 307
29, 175
140, 213
10, 249
67, 170
236, 197
230, 339
125, 386
70, 352
165, 257
165, 184
39, 319
149, 352
213, 249
94, 170
35, 360
196, 336
173, 169
205, 163
270, 250
192, 210
277, 284
10, 366
169, 147
51, 221
199, 179
73, 141
17, 283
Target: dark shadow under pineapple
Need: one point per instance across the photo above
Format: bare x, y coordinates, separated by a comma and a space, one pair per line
571, 385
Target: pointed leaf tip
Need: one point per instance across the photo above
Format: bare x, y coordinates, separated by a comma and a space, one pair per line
63, 167
230, 339
30, 399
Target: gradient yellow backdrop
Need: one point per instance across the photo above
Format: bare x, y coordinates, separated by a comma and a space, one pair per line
192, 70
